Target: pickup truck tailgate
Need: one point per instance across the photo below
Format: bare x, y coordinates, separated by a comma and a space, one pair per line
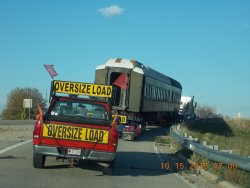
75, 135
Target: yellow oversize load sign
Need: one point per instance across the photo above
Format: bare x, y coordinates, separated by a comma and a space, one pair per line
78, 88
120, 118
75, 133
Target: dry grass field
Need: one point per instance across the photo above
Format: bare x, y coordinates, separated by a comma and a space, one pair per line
228, 134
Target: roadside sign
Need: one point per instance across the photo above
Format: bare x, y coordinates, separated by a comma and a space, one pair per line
27, 103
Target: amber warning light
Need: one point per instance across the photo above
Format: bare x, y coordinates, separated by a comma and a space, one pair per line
78, 88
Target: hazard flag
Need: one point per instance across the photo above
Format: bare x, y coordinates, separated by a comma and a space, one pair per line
51, 70
114, 122
122, 81
39, 116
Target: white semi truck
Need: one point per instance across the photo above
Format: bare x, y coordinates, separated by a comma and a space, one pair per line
187, 108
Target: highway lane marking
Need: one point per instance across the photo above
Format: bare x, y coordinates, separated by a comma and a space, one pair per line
158, 154
14, 146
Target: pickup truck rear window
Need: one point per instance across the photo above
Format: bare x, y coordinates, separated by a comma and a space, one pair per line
73, 110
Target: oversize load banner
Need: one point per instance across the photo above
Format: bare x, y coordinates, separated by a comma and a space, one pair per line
75, 133
79, 88
121, 118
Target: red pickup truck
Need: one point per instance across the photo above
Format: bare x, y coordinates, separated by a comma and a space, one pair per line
75, 128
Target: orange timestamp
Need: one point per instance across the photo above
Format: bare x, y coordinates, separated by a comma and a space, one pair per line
205, 165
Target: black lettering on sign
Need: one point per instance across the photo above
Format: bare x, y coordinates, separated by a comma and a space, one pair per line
61, 86
71, 87
59, 134
54, 130
103, 91
76, 88
75, 130
67, 87
88, 89
91, 135
69, 134
123, 119
83, 88
96, 135
99, 89
64, 132
101, 135
56, 86
79, 134
49, 130
93, 90
74, 133
86, 135
108, 91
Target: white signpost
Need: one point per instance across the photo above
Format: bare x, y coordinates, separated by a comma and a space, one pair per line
27, 103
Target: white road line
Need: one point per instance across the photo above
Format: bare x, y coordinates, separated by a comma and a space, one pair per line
158, 154
14, 146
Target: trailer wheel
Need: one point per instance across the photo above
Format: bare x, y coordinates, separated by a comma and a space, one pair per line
38, 160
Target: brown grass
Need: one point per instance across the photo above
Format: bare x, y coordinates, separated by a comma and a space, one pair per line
238, 140
228, 134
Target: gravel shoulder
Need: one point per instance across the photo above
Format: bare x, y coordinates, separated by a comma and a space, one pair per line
13, 134
192, 178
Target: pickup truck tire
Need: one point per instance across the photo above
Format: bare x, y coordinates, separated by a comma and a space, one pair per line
38, 160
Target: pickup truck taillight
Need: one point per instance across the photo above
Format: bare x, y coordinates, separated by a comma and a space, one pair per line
37, 132
113, 139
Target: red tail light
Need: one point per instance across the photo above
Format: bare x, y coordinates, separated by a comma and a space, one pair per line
37, 132
113, 139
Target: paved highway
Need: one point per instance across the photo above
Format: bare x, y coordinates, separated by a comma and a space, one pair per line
136, 166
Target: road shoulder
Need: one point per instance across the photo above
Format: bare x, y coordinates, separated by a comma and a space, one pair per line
170, 159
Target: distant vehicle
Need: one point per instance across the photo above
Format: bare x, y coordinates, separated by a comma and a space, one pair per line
187, 108
138, 89
75, 128
141, 123
132, 130
131, 125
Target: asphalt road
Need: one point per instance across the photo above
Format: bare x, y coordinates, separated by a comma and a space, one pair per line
136, 166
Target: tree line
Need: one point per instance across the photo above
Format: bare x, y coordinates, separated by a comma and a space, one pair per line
14, 109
